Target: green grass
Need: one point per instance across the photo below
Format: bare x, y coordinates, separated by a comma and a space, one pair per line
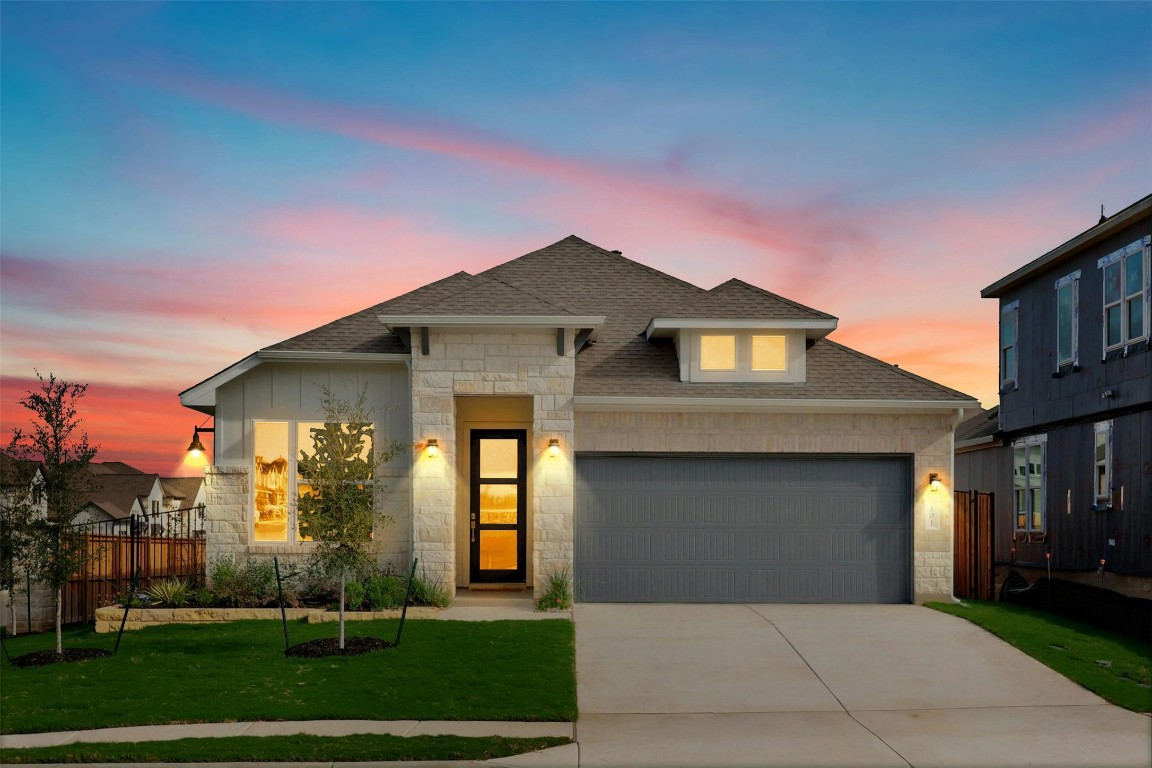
301, 748
443, 670
1071, 648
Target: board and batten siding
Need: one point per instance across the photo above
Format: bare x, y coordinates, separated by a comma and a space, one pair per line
292, 391
926, 438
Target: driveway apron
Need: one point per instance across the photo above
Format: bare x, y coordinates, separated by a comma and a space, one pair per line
828, 685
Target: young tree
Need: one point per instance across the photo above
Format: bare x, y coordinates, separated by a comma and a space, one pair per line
64, 455
336, 504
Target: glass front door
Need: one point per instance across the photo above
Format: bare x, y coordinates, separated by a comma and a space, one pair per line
496, 516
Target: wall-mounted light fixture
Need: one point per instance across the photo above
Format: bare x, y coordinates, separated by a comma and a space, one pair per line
934, 481
196, 446
433, 447
554, 447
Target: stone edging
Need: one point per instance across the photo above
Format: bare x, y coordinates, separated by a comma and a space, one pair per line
108, 618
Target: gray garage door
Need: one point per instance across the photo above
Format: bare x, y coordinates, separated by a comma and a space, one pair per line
742, 528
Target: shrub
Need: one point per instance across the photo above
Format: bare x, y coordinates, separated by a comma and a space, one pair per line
557, 594
429, 591
385, 591
251, 585
172, 592
203, 598
353, 595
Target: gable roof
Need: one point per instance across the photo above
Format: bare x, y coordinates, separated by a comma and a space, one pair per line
113, 468
736, 299
978, 429
116, 493
185, 489
577, 278
16, 472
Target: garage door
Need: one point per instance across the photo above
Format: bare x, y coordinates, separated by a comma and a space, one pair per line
742, 528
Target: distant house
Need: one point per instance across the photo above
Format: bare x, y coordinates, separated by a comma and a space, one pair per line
1070, 459
121, 491
21, 482
572, 410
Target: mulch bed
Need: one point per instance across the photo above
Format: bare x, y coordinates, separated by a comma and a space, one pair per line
41, 658
330, 646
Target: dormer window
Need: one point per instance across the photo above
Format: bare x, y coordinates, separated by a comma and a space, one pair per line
769, 353
718, 353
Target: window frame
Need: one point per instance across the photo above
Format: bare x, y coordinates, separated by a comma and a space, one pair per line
1032, 481
1072, 283
1010, 381
1102, 430
691, 370
294, 481
1120, 258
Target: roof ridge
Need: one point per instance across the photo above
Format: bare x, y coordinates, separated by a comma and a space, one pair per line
765, 292
505, 283
897, 369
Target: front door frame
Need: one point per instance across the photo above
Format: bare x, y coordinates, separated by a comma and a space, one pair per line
477, 575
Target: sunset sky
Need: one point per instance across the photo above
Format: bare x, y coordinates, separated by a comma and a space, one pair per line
183, 184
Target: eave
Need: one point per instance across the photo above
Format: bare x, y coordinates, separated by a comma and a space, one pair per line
764, 405
664, 327
1083, 240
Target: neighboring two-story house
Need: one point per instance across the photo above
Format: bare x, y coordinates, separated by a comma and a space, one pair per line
1075, 417
575, 410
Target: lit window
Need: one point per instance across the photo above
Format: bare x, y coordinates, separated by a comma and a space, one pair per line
1125, 295
276, 484
717, 353
1103, 463
1028, 483
1067, 319
769, 353
1009, 327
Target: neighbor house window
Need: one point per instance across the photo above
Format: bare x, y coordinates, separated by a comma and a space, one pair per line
1009, 332
769, 353
1125, 295
718, 353
1103, 463
276, 484
1067, 319
1028, 483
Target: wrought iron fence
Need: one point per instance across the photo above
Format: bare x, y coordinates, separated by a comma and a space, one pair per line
161, 545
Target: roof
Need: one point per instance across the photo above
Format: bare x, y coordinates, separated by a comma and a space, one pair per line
737, 299
16, 472
980, 428
116, 493
113, 468
575, 277
1067, 250
183, 488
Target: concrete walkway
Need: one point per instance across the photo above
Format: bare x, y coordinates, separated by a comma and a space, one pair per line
685, 685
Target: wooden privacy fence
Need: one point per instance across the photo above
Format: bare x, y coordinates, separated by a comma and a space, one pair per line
161, 545
972, 564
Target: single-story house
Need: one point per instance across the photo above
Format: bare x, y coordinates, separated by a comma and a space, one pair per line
574, 410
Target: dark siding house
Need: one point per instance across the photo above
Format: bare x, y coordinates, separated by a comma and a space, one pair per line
1075, 416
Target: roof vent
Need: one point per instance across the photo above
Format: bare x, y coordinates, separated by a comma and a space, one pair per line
618, 253
1103, 218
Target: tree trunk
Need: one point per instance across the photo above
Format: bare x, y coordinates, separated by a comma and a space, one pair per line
59, 632
12, 609
343, 578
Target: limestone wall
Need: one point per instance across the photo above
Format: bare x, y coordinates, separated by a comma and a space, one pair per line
467, 364
927, 438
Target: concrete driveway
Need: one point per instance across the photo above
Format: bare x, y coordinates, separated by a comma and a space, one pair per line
820, 685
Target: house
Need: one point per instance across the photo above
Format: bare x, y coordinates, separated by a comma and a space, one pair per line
120, 491
574, 410
29, 609
1071, 456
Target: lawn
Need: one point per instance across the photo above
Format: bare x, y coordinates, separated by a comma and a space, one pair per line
443, 670
1113, 666
253, 749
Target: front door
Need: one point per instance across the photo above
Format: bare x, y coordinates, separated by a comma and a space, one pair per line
498, 502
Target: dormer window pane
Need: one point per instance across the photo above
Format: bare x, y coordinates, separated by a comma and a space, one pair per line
769, 353
717, 353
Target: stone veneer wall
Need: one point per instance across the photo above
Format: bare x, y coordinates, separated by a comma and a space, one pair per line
491, 363
928, 438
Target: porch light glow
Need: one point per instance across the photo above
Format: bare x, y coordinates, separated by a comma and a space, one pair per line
934, 481
433, 447
554, 447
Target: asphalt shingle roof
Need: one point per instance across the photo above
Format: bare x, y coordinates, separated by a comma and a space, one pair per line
983, 424
576, 277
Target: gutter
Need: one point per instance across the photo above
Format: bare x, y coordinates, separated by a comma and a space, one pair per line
764, 405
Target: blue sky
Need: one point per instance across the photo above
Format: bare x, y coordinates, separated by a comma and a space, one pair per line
185, 183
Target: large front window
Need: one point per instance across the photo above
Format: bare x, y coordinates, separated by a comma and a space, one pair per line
1028, 483
1125, 295
276, 483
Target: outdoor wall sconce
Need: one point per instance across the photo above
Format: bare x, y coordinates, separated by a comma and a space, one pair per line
934, 481
433, 447
554, 447
196, 446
